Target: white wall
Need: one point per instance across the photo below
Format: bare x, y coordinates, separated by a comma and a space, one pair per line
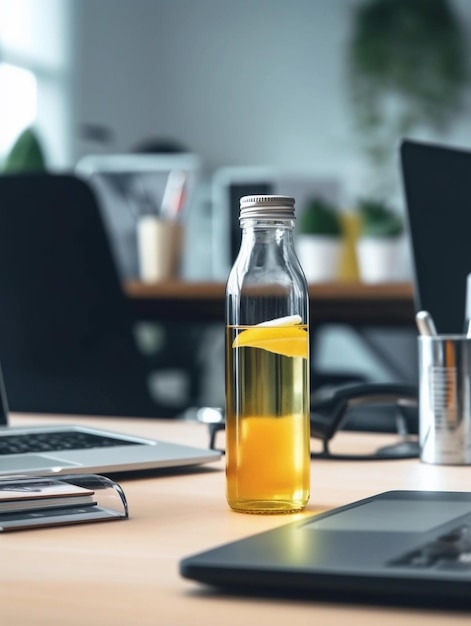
246, 82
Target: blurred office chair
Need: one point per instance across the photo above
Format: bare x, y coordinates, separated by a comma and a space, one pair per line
66, 335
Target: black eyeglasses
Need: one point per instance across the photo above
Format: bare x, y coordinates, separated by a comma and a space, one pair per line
327, 416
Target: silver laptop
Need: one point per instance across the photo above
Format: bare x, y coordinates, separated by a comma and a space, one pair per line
70, 449
395, 547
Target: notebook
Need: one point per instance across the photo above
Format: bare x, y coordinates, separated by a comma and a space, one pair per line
437, 190
398, 546
71, 449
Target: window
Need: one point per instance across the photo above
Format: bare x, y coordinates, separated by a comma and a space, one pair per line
18, 104
35, 53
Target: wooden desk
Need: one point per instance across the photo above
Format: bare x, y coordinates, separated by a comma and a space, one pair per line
126, 572
347, 302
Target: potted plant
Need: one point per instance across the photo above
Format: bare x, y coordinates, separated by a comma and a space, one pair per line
380, 245
319, 240
408, 71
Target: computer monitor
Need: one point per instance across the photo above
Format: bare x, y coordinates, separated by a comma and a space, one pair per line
229, 184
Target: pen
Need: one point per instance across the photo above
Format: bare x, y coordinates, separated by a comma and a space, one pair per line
174, 195
425, 324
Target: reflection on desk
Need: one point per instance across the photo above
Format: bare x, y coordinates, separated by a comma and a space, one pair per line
127, 573
349, 302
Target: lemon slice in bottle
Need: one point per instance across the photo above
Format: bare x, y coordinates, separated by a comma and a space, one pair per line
283, 335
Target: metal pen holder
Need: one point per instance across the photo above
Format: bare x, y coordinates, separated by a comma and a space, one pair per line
445, 399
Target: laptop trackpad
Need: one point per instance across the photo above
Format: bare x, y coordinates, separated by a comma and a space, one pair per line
393, 516
37, 462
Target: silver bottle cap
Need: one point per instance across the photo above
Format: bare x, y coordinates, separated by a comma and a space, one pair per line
267, 207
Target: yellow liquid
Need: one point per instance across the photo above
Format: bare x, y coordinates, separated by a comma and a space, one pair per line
267, 425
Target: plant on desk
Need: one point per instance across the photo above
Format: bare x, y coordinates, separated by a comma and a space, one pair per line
380, 244
319, 241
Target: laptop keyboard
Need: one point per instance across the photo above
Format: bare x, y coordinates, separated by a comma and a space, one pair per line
54, 442
449, 551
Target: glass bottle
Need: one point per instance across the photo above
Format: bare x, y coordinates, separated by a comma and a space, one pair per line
267, 364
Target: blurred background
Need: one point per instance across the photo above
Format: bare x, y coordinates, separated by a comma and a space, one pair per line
319, 90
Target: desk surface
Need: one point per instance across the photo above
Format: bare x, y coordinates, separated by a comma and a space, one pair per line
341, 302
126, 572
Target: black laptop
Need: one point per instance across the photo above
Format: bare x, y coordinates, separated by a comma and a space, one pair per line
399, 547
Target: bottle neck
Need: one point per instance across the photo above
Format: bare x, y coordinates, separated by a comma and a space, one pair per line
266, 280
261, 231
267, 247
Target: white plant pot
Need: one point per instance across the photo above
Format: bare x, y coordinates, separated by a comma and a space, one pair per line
380, 260
319, 257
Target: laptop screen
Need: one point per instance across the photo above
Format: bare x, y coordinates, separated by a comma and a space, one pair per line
3, 401
437, 186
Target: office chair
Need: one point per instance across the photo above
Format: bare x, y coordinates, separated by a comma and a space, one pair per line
66, 335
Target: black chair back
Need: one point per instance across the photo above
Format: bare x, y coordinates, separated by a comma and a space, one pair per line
66, 337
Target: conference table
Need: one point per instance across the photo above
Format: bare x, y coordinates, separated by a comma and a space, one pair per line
126, 572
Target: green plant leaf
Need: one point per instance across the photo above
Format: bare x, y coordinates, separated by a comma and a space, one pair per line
377, 220
26, 154
320, 218
408, 68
